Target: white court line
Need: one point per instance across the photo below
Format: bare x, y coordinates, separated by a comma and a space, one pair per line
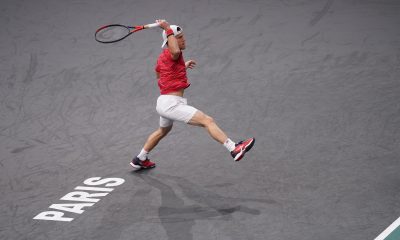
388, 230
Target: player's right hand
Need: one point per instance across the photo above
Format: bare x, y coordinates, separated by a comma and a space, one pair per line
163, 23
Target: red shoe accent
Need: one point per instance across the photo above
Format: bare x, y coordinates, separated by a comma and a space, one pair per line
148, 164
138, 164
241, 148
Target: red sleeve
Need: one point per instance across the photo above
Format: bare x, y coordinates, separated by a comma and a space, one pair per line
169, 56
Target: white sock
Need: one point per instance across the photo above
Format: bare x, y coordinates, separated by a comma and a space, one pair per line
143, 155
229, 144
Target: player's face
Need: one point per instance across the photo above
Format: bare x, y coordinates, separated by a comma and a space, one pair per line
181, 41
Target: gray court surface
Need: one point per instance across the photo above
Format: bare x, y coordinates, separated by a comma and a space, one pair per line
317, 83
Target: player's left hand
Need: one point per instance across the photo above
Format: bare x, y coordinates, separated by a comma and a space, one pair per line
190, 64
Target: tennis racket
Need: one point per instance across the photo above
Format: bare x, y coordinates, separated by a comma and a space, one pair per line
117, 32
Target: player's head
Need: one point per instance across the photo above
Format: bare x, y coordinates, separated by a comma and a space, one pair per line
178, 33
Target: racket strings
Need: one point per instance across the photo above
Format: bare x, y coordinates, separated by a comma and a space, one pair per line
112, 33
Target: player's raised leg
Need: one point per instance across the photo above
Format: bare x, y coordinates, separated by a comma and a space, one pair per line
237, 150
202, 120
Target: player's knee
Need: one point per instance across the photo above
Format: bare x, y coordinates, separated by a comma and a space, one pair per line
208, 120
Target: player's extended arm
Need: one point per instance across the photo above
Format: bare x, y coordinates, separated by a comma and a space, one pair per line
172, 42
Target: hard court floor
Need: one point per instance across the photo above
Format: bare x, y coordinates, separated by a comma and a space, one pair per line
317, 83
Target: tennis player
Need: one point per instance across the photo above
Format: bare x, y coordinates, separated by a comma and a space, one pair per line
171, 106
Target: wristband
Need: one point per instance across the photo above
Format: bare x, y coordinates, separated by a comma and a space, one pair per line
169, 32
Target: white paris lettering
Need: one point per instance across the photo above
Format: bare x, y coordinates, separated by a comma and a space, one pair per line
78, 200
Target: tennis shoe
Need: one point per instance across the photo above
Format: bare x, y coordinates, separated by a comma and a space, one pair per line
241, 148
139, 164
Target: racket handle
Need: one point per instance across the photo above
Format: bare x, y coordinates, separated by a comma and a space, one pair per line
151, 25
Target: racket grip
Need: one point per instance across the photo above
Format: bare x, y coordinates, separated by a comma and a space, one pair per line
151, 25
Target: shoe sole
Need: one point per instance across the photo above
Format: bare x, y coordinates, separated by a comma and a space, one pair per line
246, 149
137, 167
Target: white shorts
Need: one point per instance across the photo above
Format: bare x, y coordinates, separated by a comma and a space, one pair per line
174, 108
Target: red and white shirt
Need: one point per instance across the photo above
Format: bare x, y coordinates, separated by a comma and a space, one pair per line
172, 73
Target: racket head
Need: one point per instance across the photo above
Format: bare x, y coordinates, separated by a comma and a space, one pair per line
112, 33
